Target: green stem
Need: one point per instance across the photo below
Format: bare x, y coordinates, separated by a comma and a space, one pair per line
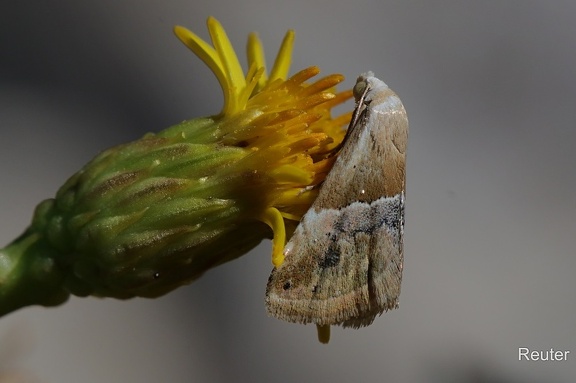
29, 275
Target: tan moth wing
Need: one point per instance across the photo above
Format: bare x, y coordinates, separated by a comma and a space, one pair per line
343, 265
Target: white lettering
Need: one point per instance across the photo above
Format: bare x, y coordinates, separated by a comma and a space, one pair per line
525, 353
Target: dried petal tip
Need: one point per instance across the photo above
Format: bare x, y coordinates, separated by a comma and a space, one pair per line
146, 217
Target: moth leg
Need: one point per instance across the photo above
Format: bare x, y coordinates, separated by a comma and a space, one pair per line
323, 333
274, 219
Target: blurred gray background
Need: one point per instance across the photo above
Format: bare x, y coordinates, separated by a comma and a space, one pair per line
490, 89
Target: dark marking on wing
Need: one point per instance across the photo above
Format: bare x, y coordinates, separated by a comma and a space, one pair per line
364, 218
332, 256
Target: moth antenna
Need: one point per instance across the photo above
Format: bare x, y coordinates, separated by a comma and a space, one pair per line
353, 121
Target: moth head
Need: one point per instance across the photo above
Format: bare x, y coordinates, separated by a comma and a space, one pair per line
360, 87
367, 80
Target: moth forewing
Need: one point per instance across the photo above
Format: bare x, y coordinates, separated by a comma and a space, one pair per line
343, 264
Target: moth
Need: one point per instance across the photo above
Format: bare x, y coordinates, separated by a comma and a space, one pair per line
343, 264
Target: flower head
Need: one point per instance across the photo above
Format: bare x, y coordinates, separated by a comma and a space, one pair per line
148, 216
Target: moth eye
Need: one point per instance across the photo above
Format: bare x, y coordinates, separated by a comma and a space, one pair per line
156, 275
359, 89
287, 285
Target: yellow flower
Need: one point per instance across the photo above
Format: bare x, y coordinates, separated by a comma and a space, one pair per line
146, 217
285, 124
